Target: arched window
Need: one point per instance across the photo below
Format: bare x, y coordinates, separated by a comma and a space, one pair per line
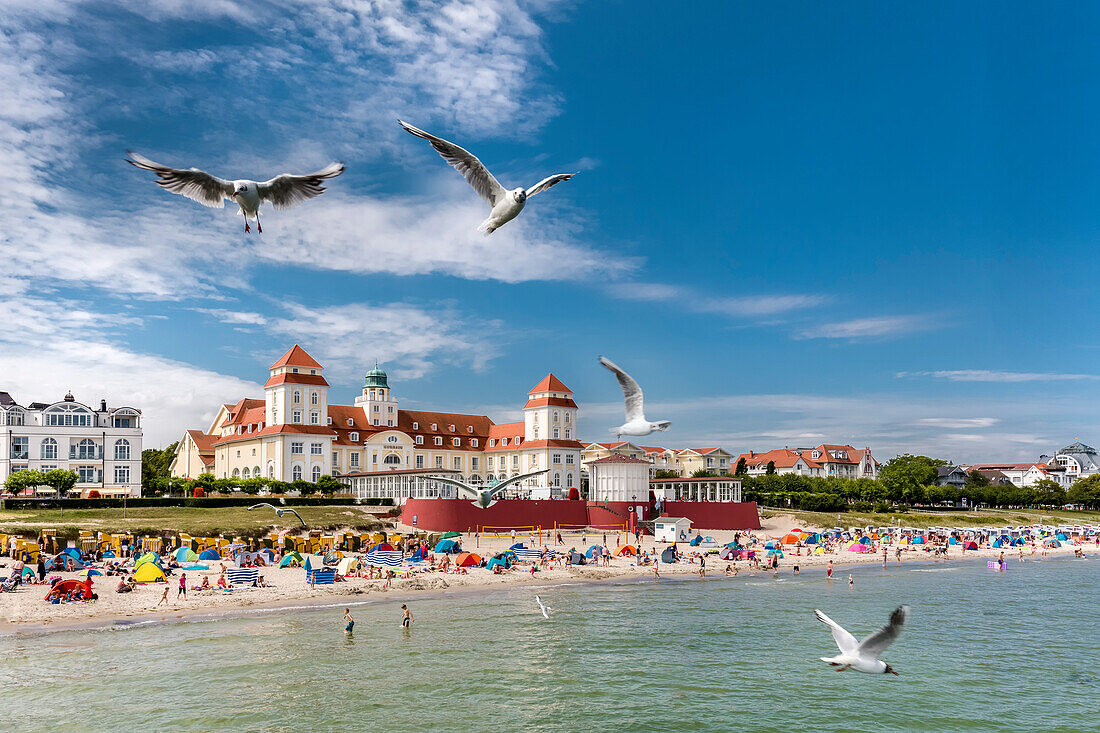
256, 472
557, 479
122, 450
49, 449
245, 474
236, 473
271, 470
85, 449
296, 473
392, 459
313, 398
569, 480
316, 473
297, 397
15, 417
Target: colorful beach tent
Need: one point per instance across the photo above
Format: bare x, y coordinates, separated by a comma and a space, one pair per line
88, 572
348, 565
970, 545
75, 553
268, 553
149, 557
728, 553
696, 540
467, 560
516, 546
149, 573
28, 570
66, 586
289, 558
770, 545
500, 560
418, 555
1019, 542
594, 551
333, 558
668, 555
209, 554
626, 550
790, 539
918, 540
384, 546
185, 554
446, 546
858, 547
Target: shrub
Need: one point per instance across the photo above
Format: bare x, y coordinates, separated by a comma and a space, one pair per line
198, 493
574, 493
93, 494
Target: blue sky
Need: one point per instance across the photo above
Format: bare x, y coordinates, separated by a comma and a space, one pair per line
794, 222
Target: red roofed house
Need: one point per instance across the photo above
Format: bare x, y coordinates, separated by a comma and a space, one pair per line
842, 461
294, 433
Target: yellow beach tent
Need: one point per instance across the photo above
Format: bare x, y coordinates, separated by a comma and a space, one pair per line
149, 573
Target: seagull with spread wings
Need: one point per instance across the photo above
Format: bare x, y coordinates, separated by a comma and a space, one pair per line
483, 497
506, 204
279, 512
282, 191
635, 424
863, 656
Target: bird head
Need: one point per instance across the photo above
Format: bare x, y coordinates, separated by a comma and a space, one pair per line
661, 425
519, 195
239, 187
890, 670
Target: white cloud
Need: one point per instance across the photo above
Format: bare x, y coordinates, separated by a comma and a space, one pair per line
987, 375
958, 423
872, 327
699, 302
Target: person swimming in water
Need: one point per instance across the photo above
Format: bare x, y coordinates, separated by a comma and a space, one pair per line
350, 620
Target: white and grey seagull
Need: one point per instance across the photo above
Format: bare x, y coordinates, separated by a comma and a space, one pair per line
483, 497
543, 607
279, 512
283, 191
635, 424
863, 656
506, 204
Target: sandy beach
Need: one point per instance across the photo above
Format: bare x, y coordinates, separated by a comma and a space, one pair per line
26, 611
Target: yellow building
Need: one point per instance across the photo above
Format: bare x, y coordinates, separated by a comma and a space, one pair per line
294, 433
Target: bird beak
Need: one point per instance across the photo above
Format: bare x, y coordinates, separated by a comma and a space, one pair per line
233, 195
894, 673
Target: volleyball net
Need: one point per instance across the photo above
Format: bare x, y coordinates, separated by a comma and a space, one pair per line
584, 528
526, 531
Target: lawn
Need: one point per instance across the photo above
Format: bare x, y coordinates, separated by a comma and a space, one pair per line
951, 518
228, 521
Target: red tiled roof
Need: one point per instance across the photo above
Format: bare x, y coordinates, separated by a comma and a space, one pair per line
507, 430
207, 460
203, 441
550, 402
552, 444
292, 378
550, 383
783, 458
298, 357
278, 430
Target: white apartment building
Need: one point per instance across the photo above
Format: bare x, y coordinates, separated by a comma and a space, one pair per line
102, 446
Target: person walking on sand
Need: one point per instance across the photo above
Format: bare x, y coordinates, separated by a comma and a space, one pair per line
656, 572
350, 620
406, 616
163, 597
182, 589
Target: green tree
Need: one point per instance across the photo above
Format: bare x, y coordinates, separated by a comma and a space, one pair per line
769, 470
975, 479
742, 467
666, 474
1085, 491
60, 481
155, 464
1048, 492
702, 473
23, 480
907, 475
327, 485
305, 488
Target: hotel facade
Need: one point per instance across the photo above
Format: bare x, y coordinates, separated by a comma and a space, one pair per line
103, 447
295, 433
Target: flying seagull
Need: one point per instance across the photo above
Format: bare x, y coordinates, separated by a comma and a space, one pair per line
282, 191
863, 656
543, 607
635, 424
279, 512
506, 204
483, 498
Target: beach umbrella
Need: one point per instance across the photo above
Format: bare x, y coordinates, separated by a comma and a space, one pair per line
308, 566
516, 546
796, 530
449, 535
88, 572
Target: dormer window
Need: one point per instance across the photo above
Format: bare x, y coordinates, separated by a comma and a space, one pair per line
473, 442
452, 428
416, 426
312, 371
329, 420
492, 442
456, 442
469, 428
435, 427
420, 440
354, 437
504, 441
295, 370
438, 440
350, 422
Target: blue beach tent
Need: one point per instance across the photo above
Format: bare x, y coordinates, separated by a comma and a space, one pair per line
594, 551
696, 540
446, 546
517, 546
209, 554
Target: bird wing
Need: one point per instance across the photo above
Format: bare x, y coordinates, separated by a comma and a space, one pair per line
632, 393
286, 190
196, 185
876, 643
466, 488
257, 506
466, 163
547, 182
844, 641
515, 479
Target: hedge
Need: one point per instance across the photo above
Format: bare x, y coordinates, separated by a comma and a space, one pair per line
207, 502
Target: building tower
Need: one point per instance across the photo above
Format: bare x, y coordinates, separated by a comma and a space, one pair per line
296, 392
377, 403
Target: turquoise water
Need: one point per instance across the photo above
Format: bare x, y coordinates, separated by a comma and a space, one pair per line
983, 651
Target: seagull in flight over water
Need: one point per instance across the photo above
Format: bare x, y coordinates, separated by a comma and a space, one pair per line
543, 607
279, 512
506, 204
483, 497
635, 424
282, 191
863, 656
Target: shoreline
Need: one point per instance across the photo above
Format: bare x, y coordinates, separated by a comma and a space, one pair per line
132, 611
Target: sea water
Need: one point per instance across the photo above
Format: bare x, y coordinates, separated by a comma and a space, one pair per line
984, 650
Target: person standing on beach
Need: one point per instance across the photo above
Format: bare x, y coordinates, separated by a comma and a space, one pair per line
406, 616
513, 537
702, 566
164, 597
42, 567
182, 589
350, 620
656, 572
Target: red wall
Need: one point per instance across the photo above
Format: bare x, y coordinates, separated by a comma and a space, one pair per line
444, 515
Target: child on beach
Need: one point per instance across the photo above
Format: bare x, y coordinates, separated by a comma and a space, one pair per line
829, 569
851, 581
350, 620
183, 587
163, 597
406, 616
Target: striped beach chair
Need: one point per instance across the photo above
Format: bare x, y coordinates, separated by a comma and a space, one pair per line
242, 576
384, 558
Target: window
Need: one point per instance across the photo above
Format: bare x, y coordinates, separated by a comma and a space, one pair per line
438, 440
68, 415
85, 449
473, 442
474, 463
504, 441
297, 416
535, 432
456, 442
316, 449
391, 439
20, 447
313, 398
254, 453
568, 459
568, 434
435, 426
271, 470
568, 476
296, 473
452, 428
49, 449
458, 463
533, 460
122, 450
124, 421
389, 423
353, 460
297, 396
351, 422
296, 448
420, 440
416, 426
556, 416
710, 462
469, 428
374, 421
515, 462
492, 442
15, 417
392, 460
439, 461
557, 479
314, 418
354, 437
87, 475
390, 409
376, 408
374, 458
335, 458
420, 461
557, 433
567, 418
316, 473
329, 418
557, 458
490, 462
